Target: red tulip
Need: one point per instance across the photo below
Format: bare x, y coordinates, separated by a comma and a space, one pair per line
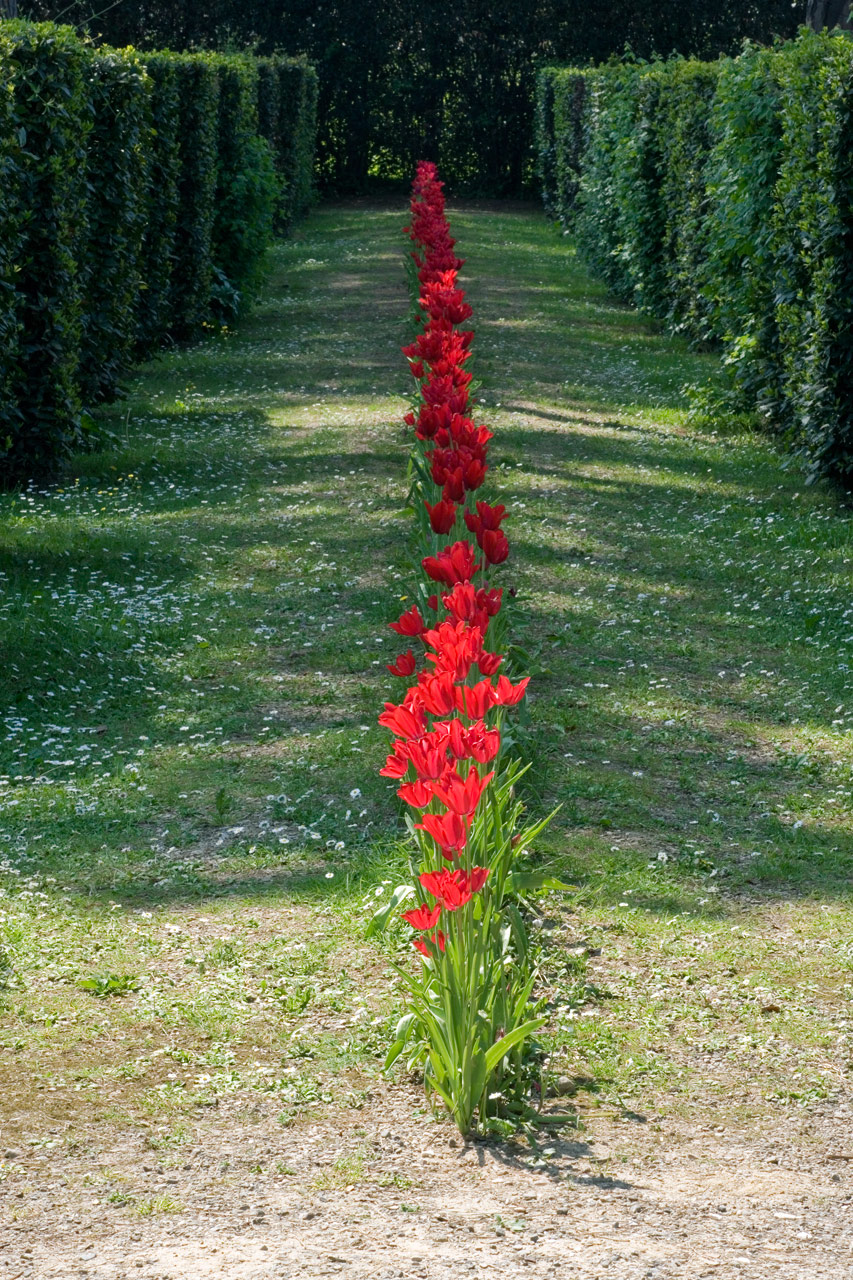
462, 795
404, 665
453, 889
409, 623
417, 794
402, 721
437, 692
442, 516
482, 744
448, 830
454, 564
422, 917
397, 764
437, 939
508, 694
488, 663
495, 545
475, 700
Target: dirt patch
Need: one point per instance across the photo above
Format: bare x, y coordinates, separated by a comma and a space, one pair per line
388, 1192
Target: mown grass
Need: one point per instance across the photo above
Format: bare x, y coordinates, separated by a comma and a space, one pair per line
193, 639
688, 618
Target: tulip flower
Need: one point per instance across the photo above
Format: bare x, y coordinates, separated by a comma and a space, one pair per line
442, 516
454, 564
495, 545
422, 918
404, 666
453, 889
448, 830
508, 694
409, 623
462, 795
475, 700
417, 794
402, 721
437, 939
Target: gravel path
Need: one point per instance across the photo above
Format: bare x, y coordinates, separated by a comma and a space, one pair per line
381, 1194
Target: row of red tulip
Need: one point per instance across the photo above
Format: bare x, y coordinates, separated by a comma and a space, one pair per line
470, 1014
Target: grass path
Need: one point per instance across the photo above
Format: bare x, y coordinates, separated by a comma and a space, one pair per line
193, 638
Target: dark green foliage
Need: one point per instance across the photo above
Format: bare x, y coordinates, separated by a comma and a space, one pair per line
11, 223
453, 84
160, 205
633, 182
719, 198
246, 187
287, 111
136, 204
192, 267
295, 135
739, 275
109, 252
610, 168
813, 231
637, 101
560, 138
546, 137
682, 121
45, 200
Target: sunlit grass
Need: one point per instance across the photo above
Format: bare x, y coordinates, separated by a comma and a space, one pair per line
192, 632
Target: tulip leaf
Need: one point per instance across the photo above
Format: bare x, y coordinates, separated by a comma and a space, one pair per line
379, 920
524, 882
502, 1047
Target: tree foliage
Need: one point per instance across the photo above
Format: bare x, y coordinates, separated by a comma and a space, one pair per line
398, 82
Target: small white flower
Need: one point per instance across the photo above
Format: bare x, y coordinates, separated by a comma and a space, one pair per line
355, 793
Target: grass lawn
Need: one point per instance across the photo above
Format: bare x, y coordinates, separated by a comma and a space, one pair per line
193, 635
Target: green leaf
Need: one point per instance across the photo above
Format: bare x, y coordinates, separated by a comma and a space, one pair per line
525, 882
502, 1047
379, 920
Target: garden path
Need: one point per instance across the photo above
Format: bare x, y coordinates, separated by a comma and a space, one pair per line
194, 638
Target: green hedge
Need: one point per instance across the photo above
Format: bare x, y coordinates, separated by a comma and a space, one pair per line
109, 254
287, 116
47, 124
683, 122
739, 282
246, 187
160, 201
137, 201
719, 198
813, 225
559, 122
10, 254
192, 260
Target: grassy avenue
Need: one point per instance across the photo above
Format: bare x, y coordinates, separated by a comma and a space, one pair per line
193, 635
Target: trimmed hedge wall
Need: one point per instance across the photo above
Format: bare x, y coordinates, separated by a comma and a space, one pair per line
191, 280
246, 186
45, 197
137, 201
109, 254
160, 201
287, 111
719, 198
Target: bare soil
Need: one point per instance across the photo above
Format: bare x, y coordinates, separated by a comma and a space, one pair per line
388, 1192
